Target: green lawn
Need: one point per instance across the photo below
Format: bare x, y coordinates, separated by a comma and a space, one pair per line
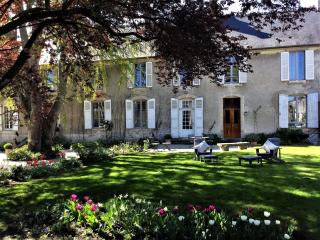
290, 190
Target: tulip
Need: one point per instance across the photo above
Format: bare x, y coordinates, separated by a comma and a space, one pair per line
286, 236
266, 214
234, 223
278, 222
257, 222
181, 218
244, 218
251, 220
211, 222
267, 222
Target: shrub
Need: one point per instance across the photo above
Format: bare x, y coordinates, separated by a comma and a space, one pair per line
20, 174
213, 138
126, 148
66, 143
20, 154
167, 136
291, 135
126, 217
91, 151
4, 174
8, 146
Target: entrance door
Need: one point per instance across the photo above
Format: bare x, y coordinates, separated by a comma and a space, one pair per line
231, 118
186, 118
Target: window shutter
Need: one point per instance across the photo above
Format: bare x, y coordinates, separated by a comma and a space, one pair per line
176, 81
283, 111
221, 78
152, 113
129, 114
198, 112
309, 65
174, 117
149, 74
312, 112
196, 82
285, 66
15, 120
87, 107
107, 110
243, 77
1, 117
130, 76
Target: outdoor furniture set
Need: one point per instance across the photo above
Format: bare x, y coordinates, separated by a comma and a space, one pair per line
271, 153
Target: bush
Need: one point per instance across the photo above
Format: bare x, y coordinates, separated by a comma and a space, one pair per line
66, 143
167, 136
91, 151
4, 174
8, 146
20, 174
213, 139
126, 148
291, 135
21, 154
126, 217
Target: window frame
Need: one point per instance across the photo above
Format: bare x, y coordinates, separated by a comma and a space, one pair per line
141, 69
143, 123
297, 99
8, 118
296, 66
101, 117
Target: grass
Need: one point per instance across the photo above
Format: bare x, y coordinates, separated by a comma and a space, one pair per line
289, 191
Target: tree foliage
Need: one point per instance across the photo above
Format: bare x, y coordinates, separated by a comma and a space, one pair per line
189, 35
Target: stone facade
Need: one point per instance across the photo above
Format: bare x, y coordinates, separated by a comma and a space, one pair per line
260, 95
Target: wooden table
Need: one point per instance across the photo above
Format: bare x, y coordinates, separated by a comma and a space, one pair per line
250, 158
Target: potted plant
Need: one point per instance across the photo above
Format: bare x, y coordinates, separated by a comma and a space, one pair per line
8, 147
167, 138
253, 139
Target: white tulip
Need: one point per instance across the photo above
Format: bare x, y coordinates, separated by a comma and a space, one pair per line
266, 214
234, 223
166, 209
267, 222
251, 220
244, 218
278, 222
257, 222
181, 218
211, 222
286, 236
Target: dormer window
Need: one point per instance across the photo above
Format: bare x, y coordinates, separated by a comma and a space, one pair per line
232, 75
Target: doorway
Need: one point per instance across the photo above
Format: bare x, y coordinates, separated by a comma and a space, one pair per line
231, 118
186, 118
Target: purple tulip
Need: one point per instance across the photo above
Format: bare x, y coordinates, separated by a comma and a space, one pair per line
94, 207
79, 207
74, 197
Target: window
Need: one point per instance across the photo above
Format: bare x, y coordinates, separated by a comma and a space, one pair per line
140, 75
98, 114
187, 114
10, 119
232, 75
297, 111
140, 114
297, 65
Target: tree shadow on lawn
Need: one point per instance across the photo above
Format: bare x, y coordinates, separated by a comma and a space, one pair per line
177, 179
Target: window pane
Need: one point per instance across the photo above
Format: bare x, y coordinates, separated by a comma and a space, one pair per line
98, 114
227, 116
300, 66
297, 111
140, 75
140, 114
297, 65
186, 119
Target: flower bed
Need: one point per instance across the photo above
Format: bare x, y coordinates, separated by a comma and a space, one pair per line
126, 217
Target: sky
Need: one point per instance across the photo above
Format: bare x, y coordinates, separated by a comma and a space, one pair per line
304, 3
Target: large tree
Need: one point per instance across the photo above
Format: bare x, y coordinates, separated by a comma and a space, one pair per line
191, 35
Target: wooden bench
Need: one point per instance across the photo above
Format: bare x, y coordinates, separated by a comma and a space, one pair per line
226, 146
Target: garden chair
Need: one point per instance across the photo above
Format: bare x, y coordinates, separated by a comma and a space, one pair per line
203, 152
272, 150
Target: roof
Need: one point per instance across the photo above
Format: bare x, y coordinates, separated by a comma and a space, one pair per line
309, 34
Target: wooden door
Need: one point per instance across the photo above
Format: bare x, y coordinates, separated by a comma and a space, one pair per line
232, 119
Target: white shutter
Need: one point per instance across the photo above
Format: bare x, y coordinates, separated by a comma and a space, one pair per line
107, 110
312, 113
196, 82
176, 81
285, 66
149, 74
221, 78
283, 111
1, 117
152, 113
87, 108
243, 77
130, 76
129, 114
174, 117
198, 113
309, 65
15, 120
